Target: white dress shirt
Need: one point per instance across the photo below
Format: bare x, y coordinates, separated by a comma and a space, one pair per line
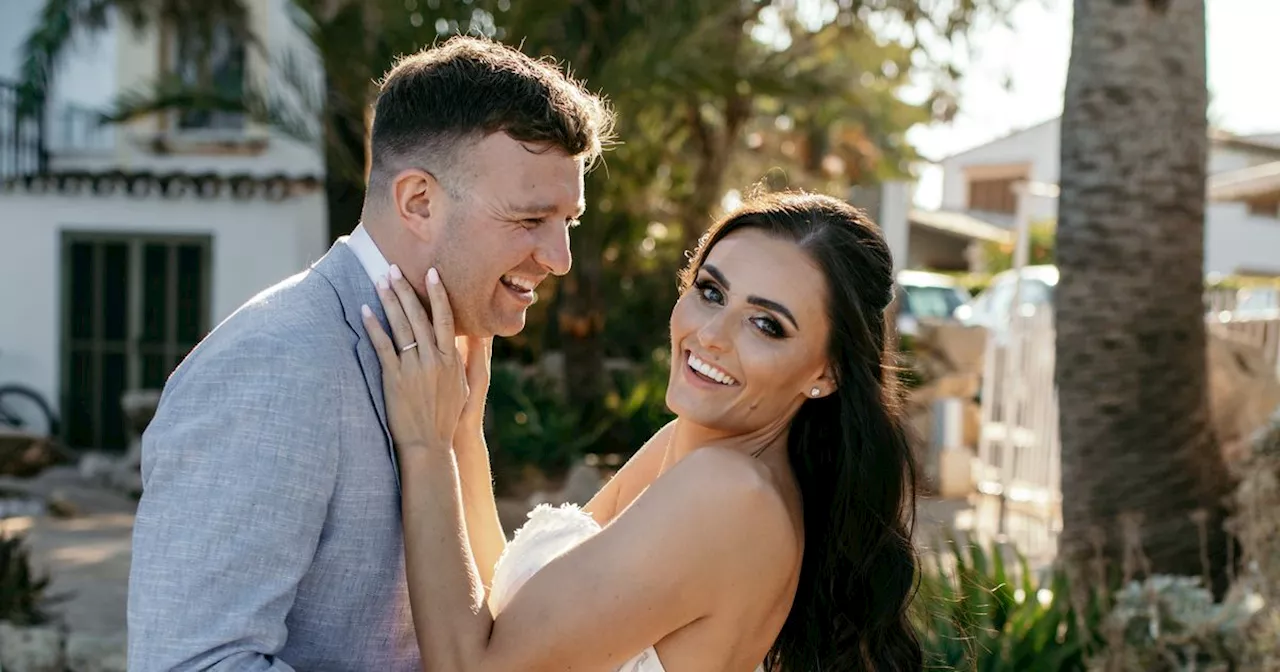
368, 253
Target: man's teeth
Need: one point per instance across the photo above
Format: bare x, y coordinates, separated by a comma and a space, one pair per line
710, 371
521, 283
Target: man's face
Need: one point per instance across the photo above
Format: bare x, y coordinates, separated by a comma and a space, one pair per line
507, 230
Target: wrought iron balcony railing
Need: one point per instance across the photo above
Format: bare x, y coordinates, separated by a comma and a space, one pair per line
23, 151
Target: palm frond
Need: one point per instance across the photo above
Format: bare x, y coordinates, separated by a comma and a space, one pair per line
61, 22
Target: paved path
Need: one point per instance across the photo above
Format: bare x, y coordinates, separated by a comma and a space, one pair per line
86, 556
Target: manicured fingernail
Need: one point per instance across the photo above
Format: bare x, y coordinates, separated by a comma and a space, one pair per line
395, 272
432, 276
383, 284
366, 311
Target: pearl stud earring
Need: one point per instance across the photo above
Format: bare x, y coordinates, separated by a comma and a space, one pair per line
815, 392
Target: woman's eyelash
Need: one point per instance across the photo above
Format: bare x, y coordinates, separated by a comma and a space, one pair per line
770, 327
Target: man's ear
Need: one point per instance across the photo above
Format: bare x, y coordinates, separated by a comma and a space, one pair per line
418, 198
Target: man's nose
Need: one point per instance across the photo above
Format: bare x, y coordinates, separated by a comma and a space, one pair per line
553, 249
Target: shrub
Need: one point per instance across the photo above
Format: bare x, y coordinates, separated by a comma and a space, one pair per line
531, 425
1171, 623
974, 613
22, 592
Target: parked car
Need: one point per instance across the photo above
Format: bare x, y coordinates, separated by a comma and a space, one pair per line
993, 306
1257, 303
926, 296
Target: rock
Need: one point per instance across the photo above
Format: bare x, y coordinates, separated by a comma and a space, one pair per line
96, 468
25, 455
122, 474
31, 649
60, 506
1243, 392
90, 653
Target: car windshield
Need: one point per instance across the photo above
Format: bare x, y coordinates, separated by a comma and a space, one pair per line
1258, 300
933, 302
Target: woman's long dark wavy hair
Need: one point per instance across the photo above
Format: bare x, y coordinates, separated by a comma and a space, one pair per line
849, 451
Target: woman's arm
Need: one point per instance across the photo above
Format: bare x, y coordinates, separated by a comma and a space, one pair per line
409, 324
484, 527
710, 529
639, 471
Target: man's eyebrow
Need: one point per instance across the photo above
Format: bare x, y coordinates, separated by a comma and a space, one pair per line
542, 209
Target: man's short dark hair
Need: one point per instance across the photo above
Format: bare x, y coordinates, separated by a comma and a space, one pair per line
470, 87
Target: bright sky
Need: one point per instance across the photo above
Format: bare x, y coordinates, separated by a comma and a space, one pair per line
1243, 50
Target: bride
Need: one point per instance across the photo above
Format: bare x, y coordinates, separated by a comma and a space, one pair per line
767, 527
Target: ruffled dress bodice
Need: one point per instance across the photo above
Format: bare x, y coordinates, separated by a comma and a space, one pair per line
549, 533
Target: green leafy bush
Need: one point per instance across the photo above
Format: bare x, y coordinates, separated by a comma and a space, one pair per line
531, 425
977, 614
22, 592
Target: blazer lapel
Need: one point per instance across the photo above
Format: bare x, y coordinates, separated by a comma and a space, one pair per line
355, 289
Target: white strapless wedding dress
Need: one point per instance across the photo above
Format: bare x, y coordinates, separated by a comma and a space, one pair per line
550, 532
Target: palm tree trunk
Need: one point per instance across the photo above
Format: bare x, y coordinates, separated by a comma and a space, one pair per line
1131, 361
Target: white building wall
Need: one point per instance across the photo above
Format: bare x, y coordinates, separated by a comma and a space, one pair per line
1272, 139
255, 244
1036, 147
1236, 241
1223, 159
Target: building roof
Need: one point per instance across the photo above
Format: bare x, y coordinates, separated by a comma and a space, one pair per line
1235, 185
1261, 143
142, 184
960, 224
1272, 139
1253, 144
1011, 134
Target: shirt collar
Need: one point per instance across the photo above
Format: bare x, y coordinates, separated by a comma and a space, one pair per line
371, 258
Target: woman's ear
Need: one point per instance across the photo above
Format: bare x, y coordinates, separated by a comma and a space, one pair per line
823, 385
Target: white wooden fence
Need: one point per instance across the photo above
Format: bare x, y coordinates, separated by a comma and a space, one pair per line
1018, 447
1259, 327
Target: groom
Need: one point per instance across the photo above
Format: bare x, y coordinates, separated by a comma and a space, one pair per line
268, 536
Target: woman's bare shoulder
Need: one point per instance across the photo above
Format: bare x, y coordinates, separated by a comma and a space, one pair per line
740, 494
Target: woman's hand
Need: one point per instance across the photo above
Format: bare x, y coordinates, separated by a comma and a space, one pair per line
424, 379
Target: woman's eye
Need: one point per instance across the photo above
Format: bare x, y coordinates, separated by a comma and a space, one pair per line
769, 326
710, 293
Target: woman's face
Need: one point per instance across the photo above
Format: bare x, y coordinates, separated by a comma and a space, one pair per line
749, 338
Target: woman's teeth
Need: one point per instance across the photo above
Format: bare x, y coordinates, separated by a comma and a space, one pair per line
710, 371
